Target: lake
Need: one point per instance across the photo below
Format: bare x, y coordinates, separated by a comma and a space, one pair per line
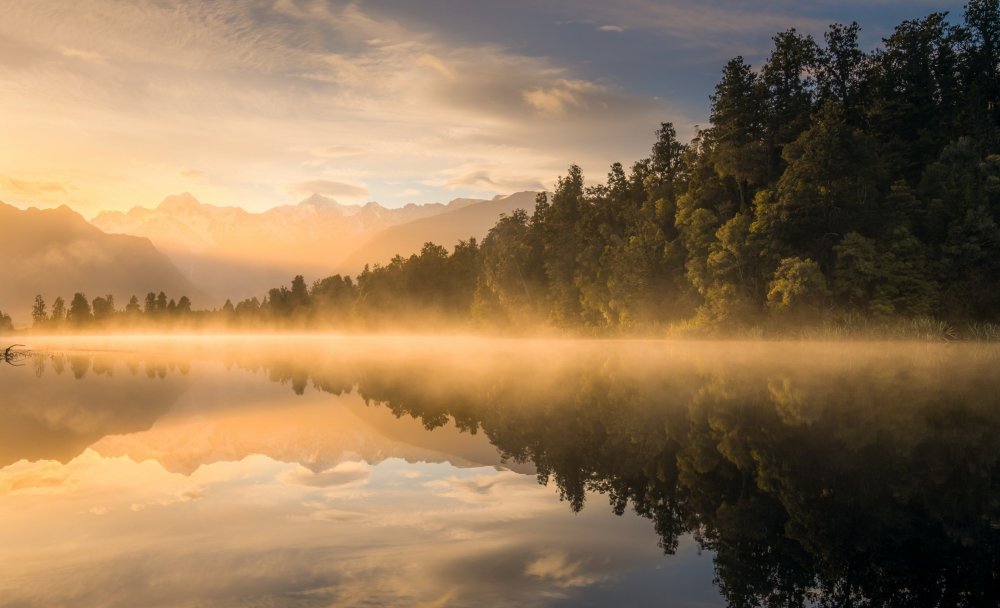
345, 471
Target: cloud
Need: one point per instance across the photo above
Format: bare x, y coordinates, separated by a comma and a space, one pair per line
555, 566
311, 88
611, 28
328, 188
711, 22
486, 179
45, 475
479, 489
80, 54
557, 99
32, 189
339, 151
191, 494
342, 475
434, 63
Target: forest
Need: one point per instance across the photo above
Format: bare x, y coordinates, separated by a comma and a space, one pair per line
834, 187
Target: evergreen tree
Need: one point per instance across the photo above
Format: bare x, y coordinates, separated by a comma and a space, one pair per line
79, 311
39, 316
133, 307
737, 133
58, 311
102, 308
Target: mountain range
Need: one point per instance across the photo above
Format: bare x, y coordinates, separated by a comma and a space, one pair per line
236, 254
184, 422
211, 253
447, 228
56, 252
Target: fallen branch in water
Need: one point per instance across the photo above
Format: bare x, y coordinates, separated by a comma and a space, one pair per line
12, 356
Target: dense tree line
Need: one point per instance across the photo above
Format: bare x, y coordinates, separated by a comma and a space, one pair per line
101, 311
832, 183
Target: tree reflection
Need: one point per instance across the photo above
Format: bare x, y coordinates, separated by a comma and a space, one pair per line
855, 483
817, 477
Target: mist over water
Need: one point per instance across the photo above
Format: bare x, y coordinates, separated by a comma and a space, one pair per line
326, 470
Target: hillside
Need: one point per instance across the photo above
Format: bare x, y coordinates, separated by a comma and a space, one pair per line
472, 220
56, 252
236, 254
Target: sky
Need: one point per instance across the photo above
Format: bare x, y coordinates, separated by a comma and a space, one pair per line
109, 104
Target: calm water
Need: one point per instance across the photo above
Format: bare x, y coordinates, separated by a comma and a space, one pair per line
420, 472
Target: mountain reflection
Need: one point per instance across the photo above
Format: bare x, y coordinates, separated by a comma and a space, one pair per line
52, 415
817, 475
852, 476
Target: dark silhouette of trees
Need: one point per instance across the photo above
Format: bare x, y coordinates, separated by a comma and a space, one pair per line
133, 307
103, 308
79, 313
58, 311
39, 314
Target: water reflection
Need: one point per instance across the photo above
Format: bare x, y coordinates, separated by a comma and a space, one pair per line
812, 474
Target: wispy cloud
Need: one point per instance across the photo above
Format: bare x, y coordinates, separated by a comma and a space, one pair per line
485, 178
128, 97
563, 95
348, 473
329, 188
42, 192
711, 21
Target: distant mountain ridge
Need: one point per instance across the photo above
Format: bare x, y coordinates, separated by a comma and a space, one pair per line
182, 222
236, 254
469, 221
56, 252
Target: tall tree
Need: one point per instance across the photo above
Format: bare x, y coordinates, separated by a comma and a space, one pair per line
788, 79
737, 133
133, 308
982, 71
916, 100
39, 316
828, 189
58, 311
842, 71
79, 310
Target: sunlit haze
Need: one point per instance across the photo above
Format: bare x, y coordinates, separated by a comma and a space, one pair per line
489, 303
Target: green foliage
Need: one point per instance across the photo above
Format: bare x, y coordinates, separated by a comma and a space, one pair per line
826, 190
511, 279
797, 290
738, 117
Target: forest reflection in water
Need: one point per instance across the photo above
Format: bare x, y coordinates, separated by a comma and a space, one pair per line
829, 474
